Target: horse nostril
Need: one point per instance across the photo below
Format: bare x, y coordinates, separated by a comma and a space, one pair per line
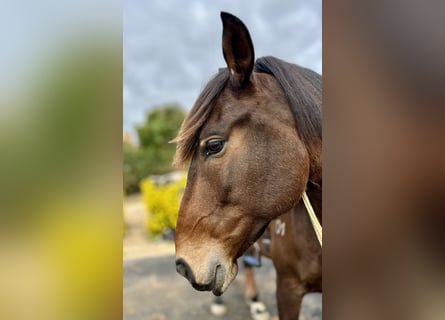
184, 270
180, 268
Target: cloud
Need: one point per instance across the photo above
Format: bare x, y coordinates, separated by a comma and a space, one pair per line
171, 48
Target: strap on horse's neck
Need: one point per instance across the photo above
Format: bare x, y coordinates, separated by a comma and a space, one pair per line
314, 220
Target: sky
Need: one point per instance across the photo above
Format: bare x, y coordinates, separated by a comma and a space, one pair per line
29, 31
171, 48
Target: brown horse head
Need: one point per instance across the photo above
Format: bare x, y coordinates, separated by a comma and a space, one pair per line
253, 141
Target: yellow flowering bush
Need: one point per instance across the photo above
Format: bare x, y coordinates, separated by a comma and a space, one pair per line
162, 202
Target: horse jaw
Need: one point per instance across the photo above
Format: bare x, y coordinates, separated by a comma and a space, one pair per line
229, 277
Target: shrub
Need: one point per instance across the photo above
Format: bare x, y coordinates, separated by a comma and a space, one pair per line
162, 202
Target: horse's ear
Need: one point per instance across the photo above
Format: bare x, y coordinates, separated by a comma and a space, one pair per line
237, 49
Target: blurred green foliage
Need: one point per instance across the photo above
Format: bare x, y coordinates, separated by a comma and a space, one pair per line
61, 181
161, 126
154, 154
61, 133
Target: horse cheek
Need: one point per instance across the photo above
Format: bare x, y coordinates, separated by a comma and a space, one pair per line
286, 174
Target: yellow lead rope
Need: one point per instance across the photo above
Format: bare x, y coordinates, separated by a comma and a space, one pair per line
314, 220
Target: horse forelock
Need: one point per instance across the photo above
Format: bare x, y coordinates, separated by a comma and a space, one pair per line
188, 136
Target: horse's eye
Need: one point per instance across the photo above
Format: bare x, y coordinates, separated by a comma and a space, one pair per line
213, 146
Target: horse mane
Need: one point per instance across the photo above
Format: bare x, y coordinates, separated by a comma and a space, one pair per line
302, 88
303, 91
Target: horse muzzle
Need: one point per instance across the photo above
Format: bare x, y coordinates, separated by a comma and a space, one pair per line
214, 276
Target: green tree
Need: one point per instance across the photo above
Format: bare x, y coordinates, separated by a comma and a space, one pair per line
155, 153
161, 126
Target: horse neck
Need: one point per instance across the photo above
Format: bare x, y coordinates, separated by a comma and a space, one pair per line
315, 167
314, 192
314, 185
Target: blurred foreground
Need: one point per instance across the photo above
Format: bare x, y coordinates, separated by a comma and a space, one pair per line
61, 160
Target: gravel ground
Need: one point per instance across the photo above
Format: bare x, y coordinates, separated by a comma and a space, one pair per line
154, 291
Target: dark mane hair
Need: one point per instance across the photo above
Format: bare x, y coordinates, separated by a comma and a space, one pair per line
303, 90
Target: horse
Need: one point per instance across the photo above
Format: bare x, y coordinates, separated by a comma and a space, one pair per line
253, 144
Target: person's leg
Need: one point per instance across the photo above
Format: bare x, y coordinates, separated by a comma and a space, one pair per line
250, 290
258, 310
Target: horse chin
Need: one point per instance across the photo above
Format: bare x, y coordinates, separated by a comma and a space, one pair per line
224, 278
